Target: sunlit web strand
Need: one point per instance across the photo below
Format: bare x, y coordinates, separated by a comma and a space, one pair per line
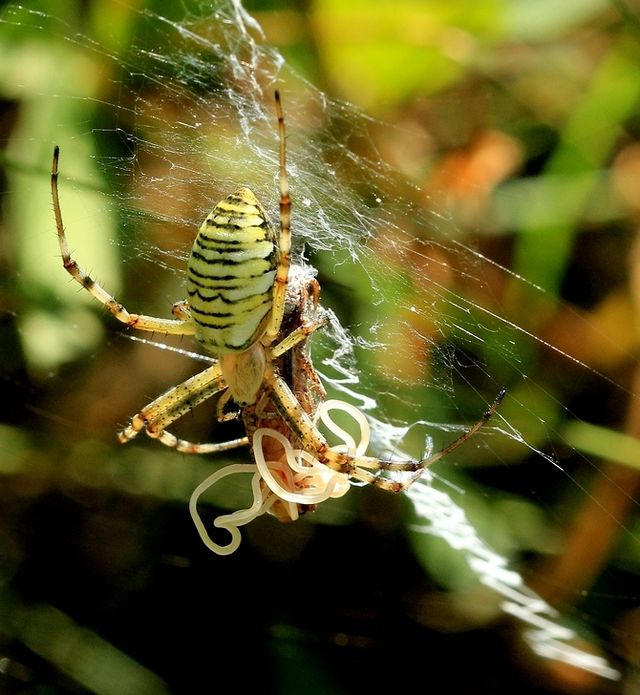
533, 336
547, 638
170, 348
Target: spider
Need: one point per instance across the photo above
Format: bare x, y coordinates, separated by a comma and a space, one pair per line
237, 279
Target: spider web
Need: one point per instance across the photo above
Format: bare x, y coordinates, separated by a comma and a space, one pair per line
188, 109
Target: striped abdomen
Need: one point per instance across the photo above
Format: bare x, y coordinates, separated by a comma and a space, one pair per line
230, 274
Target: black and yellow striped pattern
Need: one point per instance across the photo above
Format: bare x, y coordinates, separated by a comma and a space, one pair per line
230, 274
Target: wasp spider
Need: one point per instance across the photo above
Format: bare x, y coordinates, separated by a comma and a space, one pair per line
237, 279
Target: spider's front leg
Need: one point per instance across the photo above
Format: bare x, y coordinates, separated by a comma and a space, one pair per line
183, 325
172, 405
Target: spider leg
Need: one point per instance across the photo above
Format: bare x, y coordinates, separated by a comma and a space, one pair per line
297, 336
172, 405
424, 463
187, 447
179, 326
467, 434
282, 275
314, 442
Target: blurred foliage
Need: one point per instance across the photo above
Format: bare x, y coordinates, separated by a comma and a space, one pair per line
519, 119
